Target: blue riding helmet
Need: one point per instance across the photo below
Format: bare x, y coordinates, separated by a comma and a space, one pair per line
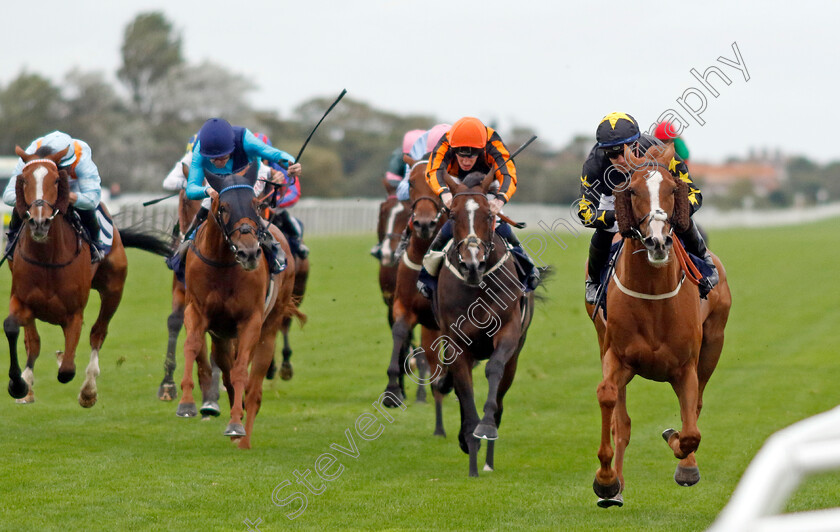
215, 138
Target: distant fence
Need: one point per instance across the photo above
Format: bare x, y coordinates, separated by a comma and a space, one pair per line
357, 216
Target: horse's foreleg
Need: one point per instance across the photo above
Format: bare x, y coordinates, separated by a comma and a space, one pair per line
18, 387
263, 355
506, 342
621, 432
462, 378
167, 390
32, 344
399, 333
286, 371
208, 381
72, 333
195, 325
87, 395
248, 334
437, 373
687, 439
607, 485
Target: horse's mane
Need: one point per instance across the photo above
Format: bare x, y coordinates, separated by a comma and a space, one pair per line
62, 203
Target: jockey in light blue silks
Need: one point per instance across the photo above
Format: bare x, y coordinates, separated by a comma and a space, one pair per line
85, 187
224, 149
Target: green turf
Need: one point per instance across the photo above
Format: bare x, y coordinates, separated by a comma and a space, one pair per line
130, 464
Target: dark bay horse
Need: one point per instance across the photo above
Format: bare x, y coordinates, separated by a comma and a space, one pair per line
52, 275
409, 306
657, 326
482, 310
231, 295
167, 391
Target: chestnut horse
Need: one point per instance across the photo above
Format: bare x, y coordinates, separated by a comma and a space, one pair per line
52, 275
232, 295
301, 276
482, 309
409, 306
657, 326
393, 218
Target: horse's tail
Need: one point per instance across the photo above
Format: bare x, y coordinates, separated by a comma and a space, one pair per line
150, 241
546, 274
291, 310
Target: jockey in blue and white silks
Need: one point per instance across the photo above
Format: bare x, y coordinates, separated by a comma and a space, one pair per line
84, 180
420, 149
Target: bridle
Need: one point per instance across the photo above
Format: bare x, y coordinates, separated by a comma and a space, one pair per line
439, 207
473, 239
243, 228
40, 202
658, 215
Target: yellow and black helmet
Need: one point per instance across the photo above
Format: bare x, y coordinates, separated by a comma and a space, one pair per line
616, 129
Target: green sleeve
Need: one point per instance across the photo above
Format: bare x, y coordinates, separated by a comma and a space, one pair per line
681, 148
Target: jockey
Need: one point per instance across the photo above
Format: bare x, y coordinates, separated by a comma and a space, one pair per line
667, 133
85, 187
471, 146
224, 149
596, 207
285, 197
397, 172
177, 177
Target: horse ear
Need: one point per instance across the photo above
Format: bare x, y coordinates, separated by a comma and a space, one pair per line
57, 157
681, 219
624, 213
217, 182
630, 157
20, 153
20, 200
488, 179
389, 186
451, 182
63, 203
251, 174
408, 160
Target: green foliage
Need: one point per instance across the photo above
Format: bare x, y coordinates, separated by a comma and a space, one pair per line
129, 463
31, 106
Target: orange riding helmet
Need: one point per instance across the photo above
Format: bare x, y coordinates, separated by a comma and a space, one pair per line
468, 132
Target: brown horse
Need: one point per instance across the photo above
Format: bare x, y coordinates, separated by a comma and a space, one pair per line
231, 295
409, 306
657, 326
167, 391
483, 312
301, 277
52, 275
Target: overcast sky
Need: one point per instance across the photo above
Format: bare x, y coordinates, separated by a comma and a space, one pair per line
546, 64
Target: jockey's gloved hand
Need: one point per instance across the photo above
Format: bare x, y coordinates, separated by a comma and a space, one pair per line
496, 205
446, 198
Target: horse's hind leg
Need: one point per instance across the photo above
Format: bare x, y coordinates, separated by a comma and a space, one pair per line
286, 371
110, 295
621, 432
208, 380
438, 373
72, 332
195, 325
686, 441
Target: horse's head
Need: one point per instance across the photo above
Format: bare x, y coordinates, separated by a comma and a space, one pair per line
472, 223
235, 212
654, 204
393, 215
426, 207
42, 190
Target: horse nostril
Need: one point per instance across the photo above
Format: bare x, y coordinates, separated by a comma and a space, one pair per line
432, 224
648, 241
669, 240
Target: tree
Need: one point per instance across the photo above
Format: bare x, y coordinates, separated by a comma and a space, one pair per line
150, 50
29, 107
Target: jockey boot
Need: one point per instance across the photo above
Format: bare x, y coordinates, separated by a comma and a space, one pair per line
12, 234
532, 273
293, 230
91, 225
598, 257
694, 244
181, 252
376, 251
434, 257
274, 253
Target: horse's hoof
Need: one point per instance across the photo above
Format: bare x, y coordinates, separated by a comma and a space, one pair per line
234, 429
87, 400
18, 389
66, 376
687, 476
488, 468
167, 391
28, 400
392, 392
286, 371
186, 410
608, 492
485, 431
272, 370
421, 394
618, 500
439, 432
210, 408
667, 433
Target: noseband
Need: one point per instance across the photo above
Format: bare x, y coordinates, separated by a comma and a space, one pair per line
659, 214
439, 207
472, 239
40, 202
242, 228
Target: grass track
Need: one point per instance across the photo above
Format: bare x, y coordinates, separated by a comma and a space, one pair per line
130, 464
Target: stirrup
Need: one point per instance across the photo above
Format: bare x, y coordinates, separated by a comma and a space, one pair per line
376, 251
96, 254
592, 289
